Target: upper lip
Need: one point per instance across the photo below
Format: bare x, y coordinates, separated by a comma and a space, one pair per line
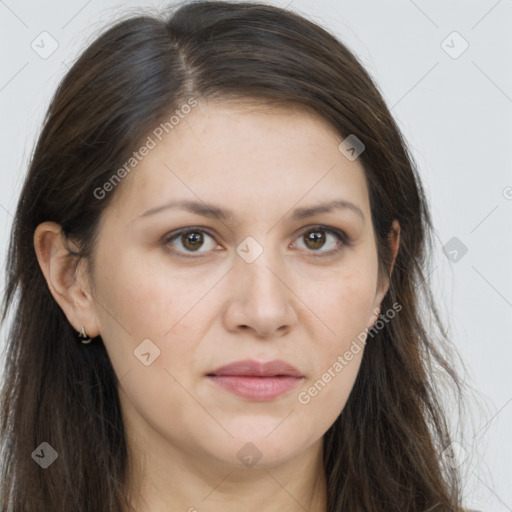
250, 368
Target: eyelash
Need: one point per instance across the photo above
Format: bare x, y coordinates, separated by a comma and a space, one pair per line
343, 239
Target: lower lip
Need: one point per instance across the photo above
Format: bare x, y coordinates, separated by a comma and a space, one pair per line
256, 388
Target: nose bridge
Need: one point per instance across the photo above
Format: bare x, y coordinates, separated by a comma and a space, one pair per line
257, 269
258, 297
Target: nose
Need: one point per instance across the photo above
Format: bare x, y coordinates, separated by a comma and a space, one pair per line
260, 299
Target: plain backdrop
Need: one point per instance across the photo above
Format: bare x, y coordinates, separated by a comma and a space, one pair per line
445, 70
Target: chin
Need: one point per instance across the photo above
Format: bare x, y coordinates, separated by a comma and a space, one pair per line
266, 444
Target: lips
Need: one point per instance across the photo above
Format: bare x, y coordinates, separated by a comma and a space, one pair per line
249, 368
255, 380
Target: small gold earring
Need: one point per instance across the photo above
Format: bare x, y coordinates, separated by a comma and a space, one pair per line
83, 336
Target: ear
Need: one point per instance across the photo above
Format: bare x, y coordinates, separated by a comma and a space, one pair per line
65, 281
394, 243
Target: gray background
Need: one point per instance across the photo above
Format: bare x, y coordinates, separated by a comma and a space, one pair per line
455, 111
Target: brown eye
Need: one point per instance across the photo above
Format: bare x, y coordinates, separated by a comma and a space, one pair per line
192, 240
186, 242
314, 239
323, 240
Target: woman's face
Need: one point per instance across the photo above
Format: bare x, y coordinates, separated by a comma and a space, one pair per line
253, 278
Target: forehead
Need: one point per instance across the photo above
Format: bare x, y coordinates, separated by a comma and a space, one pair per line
244, 154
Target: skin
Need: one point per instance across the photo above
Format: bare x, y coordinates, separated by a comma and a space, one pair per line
202, 312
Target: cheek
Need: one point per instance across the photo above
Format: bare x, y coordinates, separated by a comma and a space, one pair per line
343, 303
144, 313
344, 306
143, 297
337, 357
340, 353
139, 302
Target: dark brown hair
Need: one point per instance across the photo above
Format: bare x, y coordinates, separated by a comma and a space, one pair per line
383, 451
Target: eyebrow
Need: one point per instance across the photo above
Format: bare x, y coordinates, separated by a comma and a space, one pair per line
217, 212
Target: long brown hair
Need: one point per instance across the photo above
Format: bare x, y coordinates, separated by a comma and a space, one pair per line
383, 451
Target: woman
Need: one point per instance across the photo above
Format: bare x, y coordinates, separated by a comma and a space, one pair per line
218, 251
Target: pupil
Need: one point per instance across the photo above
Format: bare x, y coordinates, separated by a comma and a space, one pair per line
316, 238
192, 240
